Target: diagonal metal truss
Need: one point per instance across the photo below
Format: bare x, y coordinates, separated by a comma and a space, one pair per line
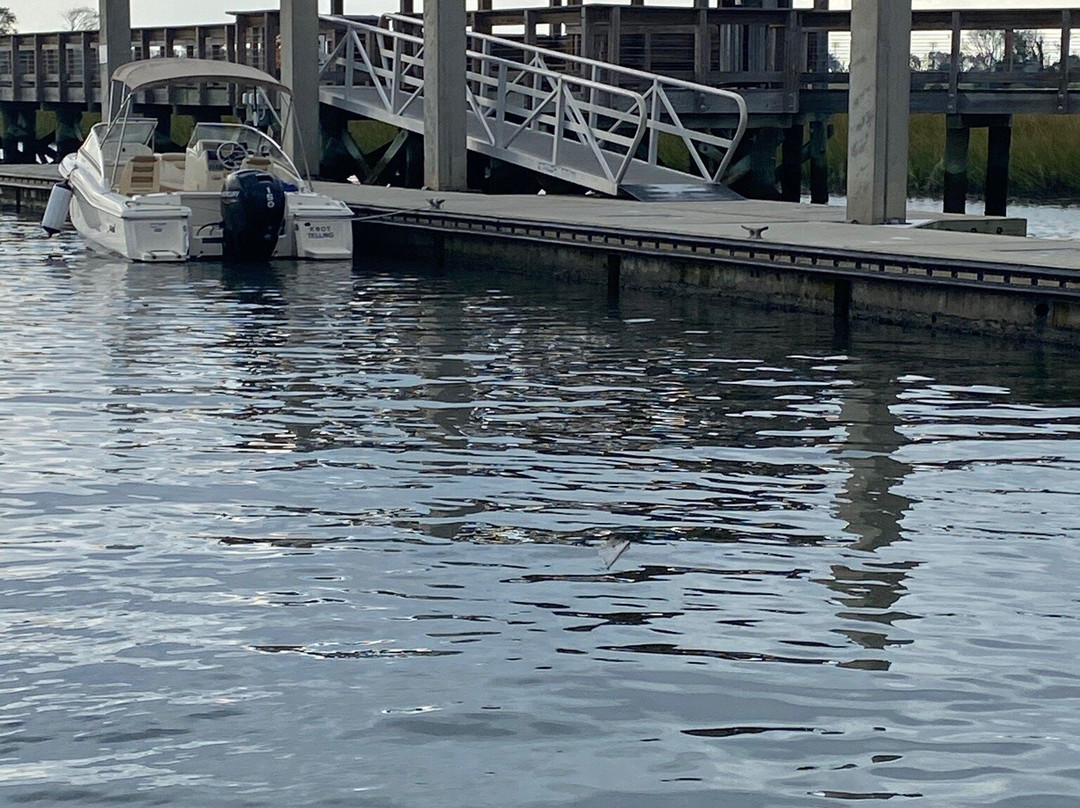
577, 123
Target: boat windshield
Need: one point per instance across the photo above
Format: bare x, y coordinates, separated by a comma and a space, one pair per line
138, 131
255, 143
111, 145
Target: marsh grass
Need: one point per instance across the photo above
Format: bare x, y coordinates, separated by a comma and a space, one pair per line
1044, 162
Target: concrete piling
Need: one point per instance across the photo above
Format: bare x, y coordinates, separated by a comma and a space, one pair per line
300, 73
445, 149
114, 49
879, 111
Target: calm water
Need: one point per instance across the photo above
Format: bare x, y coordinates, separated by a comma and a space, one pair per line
332, 536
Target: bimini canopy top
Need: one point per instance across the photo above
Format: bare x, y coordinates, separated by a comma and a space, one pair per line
149, 73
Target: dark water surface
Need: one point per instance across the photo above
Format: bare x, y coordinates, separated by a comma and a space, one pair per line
331, 536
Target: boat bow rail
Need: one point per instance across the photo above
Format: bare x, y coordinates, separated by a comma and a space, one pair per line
590, 123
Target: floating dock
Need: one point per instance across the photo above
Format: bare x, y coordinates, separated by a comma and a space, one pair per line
944, 271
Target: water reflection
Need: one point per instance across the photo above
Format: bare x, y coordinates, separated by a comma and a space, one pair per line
320, 531
873, 512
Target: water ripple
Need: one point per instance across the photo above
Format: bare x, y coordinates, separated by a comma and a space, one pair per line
323, 534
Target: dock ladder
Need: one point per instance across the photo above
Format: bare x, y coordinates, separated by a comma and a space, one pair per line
581, 123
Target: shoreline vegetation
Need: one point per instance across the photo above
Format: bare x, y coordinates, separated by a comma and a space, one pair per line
1044, 164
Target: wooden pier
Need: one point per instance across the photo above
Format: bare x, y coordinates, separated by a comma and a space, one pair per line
775, 56
939, 271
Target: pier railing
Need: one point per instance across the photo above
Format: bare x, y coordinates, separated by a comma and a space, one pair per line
63, 67
575, 115
788, 61
782, 61
602, 82
509, 100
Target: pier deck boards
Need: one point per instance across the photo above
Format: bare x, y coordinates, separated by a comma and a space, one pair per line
820, 227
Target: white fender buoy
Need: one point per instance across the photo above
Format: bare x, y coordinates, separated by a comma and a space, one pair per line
56, 212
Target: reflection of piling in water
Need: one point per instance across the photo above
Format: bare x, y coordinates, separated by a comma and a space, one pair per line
868, 505
872, 511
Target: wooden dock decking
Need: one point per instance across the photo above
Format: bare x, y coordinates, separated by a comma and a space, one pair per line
807, 256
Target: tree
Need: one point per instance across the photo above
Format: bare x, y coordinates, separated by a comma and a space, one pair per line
7, 21
1029, 51
81, 18
987, 49
938, 60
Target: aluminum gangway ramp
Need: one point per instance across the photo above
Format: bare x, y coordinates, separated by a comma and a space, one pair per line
579, 124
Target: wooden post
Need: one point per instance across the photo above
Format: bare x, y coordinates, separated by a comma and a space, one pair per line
702, 47
793, 51
272, 24
529, 18
791, 152
1066, 34
168, 42
63, 78
820, 41
39, 78
615, 36
819, 162
238, 51
88, 68
201, 35
16, 68
957, 141
999, 142
586, 47
818, 48
955, 59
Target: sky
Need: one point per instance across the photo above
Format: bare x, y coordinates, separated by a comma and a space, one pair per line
46, 15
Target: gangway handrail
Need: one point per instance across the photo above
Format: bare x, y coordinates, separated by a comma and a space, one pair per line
507, 98
656, 96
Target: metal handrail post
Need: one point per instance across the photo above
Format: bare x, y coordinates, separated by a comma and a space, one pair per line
560, 123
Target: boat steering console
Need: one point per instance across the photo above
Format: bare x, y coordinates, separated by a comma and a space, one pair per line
231, 154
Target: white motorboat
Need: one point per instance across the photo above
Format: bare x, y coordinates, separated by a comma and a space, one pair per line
232, 194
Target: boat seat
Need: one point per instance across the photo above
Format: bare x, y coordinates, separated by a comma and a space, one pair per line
258, 163
141, 175
172, 171
202, 170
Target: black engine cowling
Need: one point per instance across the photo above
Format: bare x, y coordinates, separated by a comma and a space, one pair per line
252, 207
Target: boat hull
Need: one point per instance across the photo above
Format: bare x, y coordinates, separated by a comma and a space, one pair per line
141, 235
318, 227
132, 227
185, 225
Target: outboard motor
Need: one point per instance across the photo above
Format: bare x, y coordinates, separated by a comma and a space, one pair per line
252, 207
